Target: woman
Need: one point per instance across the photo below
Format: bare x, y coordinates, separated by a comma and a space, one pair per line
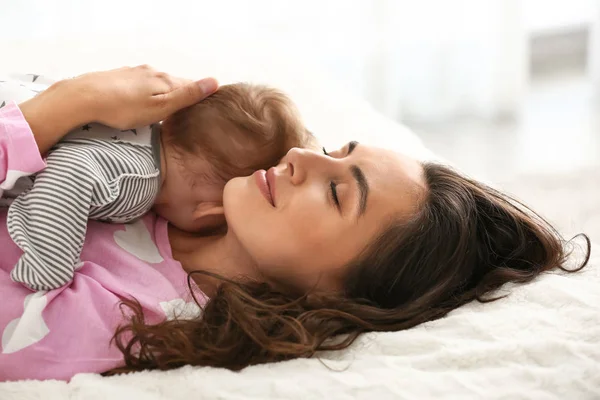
358, 239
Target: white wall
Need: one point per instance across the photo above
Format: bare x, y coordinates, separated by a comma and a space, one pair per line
594, 59
425, 59
555, 15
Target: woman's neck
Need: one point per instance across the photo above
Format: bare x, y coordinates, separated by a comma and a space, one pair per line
220, 254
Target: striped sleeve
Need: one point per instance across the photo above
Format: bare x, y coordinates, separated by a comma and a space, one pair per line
49, 222
95, 179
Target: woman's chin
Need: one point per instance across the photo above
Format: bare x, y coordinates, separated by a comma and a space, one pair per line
236, 190
237, 180
240, 198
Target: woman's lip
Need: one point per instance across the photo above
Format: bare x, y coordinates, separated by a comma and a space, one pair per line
271, 181
260, 178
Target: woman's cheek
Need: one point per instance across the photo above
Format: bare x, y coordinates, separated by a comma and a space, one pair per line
313, 231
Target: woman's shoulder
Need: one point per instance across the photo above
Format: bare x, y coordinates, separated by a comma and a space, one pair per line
131, 259
117, 262
142, 243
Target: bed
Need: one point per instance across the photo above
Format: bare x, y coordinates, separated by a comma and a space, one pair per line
540, 342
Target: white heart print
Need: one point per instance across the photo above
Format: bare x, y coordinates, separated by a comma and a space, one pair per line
136, 240
178, 308
29, 328
12, 176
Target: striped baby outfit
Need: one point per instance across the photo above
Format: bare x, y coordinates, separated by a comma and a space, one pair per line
96, 172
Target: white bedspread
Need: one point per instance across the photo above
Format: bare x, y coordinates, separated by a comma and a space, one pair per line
542, 342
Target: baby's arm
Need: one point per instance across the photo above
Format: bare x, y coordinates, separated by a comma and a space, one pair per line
87, 179
49, 221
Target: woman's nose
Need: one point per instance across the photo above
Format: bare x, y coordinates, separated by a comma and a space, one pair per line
301, 163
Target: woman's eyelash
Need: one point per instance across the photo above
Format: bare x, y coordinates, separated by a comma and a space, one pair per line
334, 195
333, 186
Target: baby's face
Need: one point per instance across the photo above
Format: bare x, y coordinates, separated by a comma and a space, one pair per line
187, 199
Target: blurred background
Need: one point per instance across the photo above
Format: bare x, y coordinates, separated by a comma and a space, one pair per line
507, 90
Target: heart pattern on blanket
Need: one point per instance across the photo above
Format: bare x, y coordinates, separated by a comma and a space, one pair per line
29, 328
136, 240
179, 308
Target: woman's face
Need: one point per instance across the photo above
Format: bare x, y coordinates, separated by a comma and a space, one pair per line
304, 234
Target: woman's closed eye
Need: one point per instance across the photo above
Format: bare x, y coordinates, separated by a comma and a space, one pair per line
333, 187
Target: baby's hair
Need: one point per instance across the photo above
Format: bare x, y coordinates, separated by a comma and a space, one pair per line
239, 129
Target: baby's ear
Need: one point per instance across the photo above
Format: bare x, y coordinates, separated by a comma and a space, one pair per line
209, 215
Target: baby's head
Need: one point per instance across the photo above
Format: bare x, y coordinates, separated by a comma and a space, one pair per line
236, 131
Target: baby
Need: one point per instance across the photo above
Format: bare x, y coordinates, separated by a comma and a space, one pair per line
178, 168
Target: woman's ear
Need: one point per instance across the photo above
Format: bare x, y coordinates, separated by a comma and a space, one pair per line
209, 215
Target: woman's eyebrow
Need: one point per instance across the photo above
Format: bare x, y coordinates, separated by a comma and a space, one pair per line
361, 181
351, 146
363, 188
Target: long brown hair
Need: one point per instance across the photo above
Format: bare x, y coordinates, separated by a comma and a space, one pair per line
466, 240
